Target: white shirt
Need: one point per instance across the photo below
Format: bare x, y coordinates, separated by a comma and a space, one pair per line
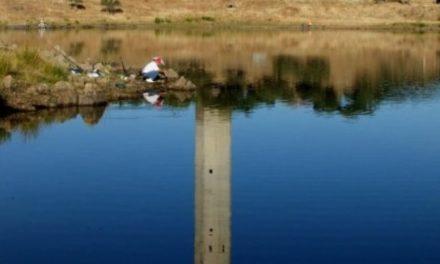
152, 66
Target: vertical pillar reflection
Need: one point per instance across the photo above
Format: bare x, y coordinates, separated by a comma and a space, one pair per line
213, 188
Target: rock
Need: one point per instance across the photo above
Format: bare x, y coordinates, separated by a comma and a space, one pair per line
42, 88
182, 84
99, 66
64, 94
86, 67
171, 74
62, 86
20, 105
7, 82
132, 77
92, 95
103, 82
38, 89
21, 102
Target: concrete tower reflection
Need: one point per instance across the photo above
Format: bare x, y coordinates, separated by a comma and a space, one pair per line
213, 188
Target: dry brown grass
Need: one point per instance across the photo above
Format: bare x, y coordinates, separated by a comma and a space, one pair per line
336, 12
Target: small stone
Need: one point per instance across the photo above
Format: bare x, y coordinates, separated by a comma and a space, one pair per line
86, 67
99, 66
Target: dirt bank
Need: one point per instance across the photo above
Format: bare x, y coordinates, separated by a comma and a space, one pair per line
335, 14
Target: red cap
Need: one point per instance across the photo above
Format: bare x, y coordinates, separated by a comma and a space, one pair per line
158, 60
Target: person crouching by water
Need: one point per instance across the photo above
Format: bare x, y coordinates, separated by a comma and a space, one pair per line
151, 72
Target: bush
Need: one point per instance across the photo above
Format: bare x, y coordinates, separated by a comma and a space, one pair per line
111, 6
77, 4
207, 18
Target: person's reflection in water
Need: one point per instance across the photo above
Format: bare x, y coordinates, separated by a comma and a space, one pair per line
155, 98
213, 188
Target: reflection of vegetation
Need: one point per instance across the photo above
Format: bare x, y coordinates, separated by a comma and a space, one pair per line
199, 19
4, 135
312, 70
363, 98
29, 124
75, 48
294, 81
302, 80
162, 20
110, 47
195, 71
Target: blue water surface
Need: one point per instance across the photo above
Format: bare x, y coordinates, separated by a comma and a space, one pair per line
307, 187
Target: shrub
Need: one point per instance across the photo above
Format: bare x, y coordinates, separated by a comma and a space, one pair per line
207, 18
111, 6
77, 4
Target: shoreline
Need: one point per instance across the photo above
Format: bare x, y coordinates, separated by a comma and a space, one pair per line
394, 26
32, 80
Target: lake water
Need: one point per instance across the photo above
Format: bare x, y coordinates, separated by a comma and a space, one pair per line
298, 147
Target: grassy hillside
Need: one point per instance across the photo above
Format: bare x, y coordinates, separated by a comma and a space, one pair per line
335, 12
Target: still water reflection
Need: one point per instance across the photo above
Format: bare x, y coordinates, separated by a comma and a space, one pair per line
317, 147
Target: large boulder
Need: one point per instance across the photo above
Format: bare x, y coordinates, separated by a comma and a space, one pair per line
171, 74
92, 94
182, 84
64, 93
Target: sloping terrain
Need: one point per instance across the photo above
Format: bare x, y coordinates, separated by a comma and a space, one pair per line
335, 12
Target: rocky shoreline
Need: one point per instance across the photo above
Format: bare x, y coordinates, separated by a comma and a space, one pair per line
81, 89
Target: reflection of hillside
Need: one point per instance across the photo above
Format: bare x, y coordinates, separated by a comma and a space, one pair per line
29, 124
347, 53
349, 73
306, 80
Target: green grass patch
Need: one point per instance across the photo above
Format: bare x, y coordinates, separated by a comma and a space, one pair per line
28, 66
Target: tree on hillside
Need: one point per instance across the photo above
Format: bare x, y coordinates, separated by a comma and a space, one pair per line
111, 6
76, 4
